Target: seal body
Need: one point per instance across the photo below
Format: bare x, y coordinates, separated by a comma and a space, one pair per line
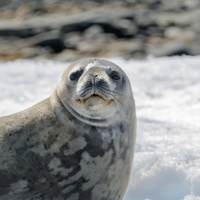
78, 144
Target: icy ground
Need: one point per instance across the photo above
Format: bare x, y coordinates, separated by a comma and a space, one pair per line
167, 93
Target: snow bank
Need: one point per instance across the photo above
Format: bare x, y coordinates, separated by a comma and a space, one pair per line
167, 158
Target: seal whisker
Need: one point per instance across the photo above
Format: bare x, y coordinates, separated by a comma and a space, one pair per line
83, 91
118, 101
112, 96
126, 97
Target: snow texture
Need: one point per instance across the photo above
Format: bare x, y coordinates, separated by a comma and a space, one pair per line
167, 156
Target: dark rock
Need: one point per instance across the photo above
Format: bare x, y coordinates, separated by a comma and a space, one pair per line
130, 17
56, 44
22, 33
179, 52
50, 39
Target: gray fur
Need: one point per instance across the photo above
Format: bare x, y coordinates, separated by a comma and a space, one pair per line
53, 151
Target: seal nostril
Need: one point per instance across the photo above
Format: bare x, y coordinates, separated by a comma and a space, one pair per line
101, 83
93, 75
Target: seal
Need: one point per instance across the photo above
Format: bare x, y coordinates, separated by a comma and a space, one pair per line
78, 144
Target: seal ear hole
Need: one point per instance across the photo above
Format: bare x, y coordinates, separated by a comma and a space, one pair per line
115, 75
76, 75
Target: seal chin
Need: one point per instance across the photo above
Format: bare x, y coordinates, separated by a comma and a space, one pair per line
88, 119
92, 110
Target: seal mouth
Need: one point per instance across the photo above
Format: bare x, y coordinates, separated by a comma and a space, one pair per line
95, 95
92, 96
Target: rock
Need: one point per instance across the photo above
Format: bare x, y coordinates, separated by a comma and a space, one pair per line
173, 48
92, 32
152, 4
11, 45
107, 24
155, 31
178, 5
52, 39
124, 48
68, 56
195, 27
146, 24
33, 52
179, 33
143, 18
22, 13
196, 47
128, 27
22, 33
191, 4
73, 39
180, 19
56, 45
100, 42
94, 35
6, 50
171, 5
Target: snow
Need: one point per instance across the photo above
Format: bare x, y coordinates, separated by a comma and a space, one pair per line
167, 156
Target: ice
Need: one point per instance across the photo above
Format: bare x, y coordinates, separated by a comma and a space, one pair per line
167, 93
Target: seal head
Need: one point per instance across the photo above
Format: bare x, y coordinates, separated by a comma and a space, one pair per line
95, 91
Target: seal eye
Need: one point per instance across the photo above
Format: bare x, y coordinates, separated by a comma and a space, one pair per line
76, 75
115, 75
